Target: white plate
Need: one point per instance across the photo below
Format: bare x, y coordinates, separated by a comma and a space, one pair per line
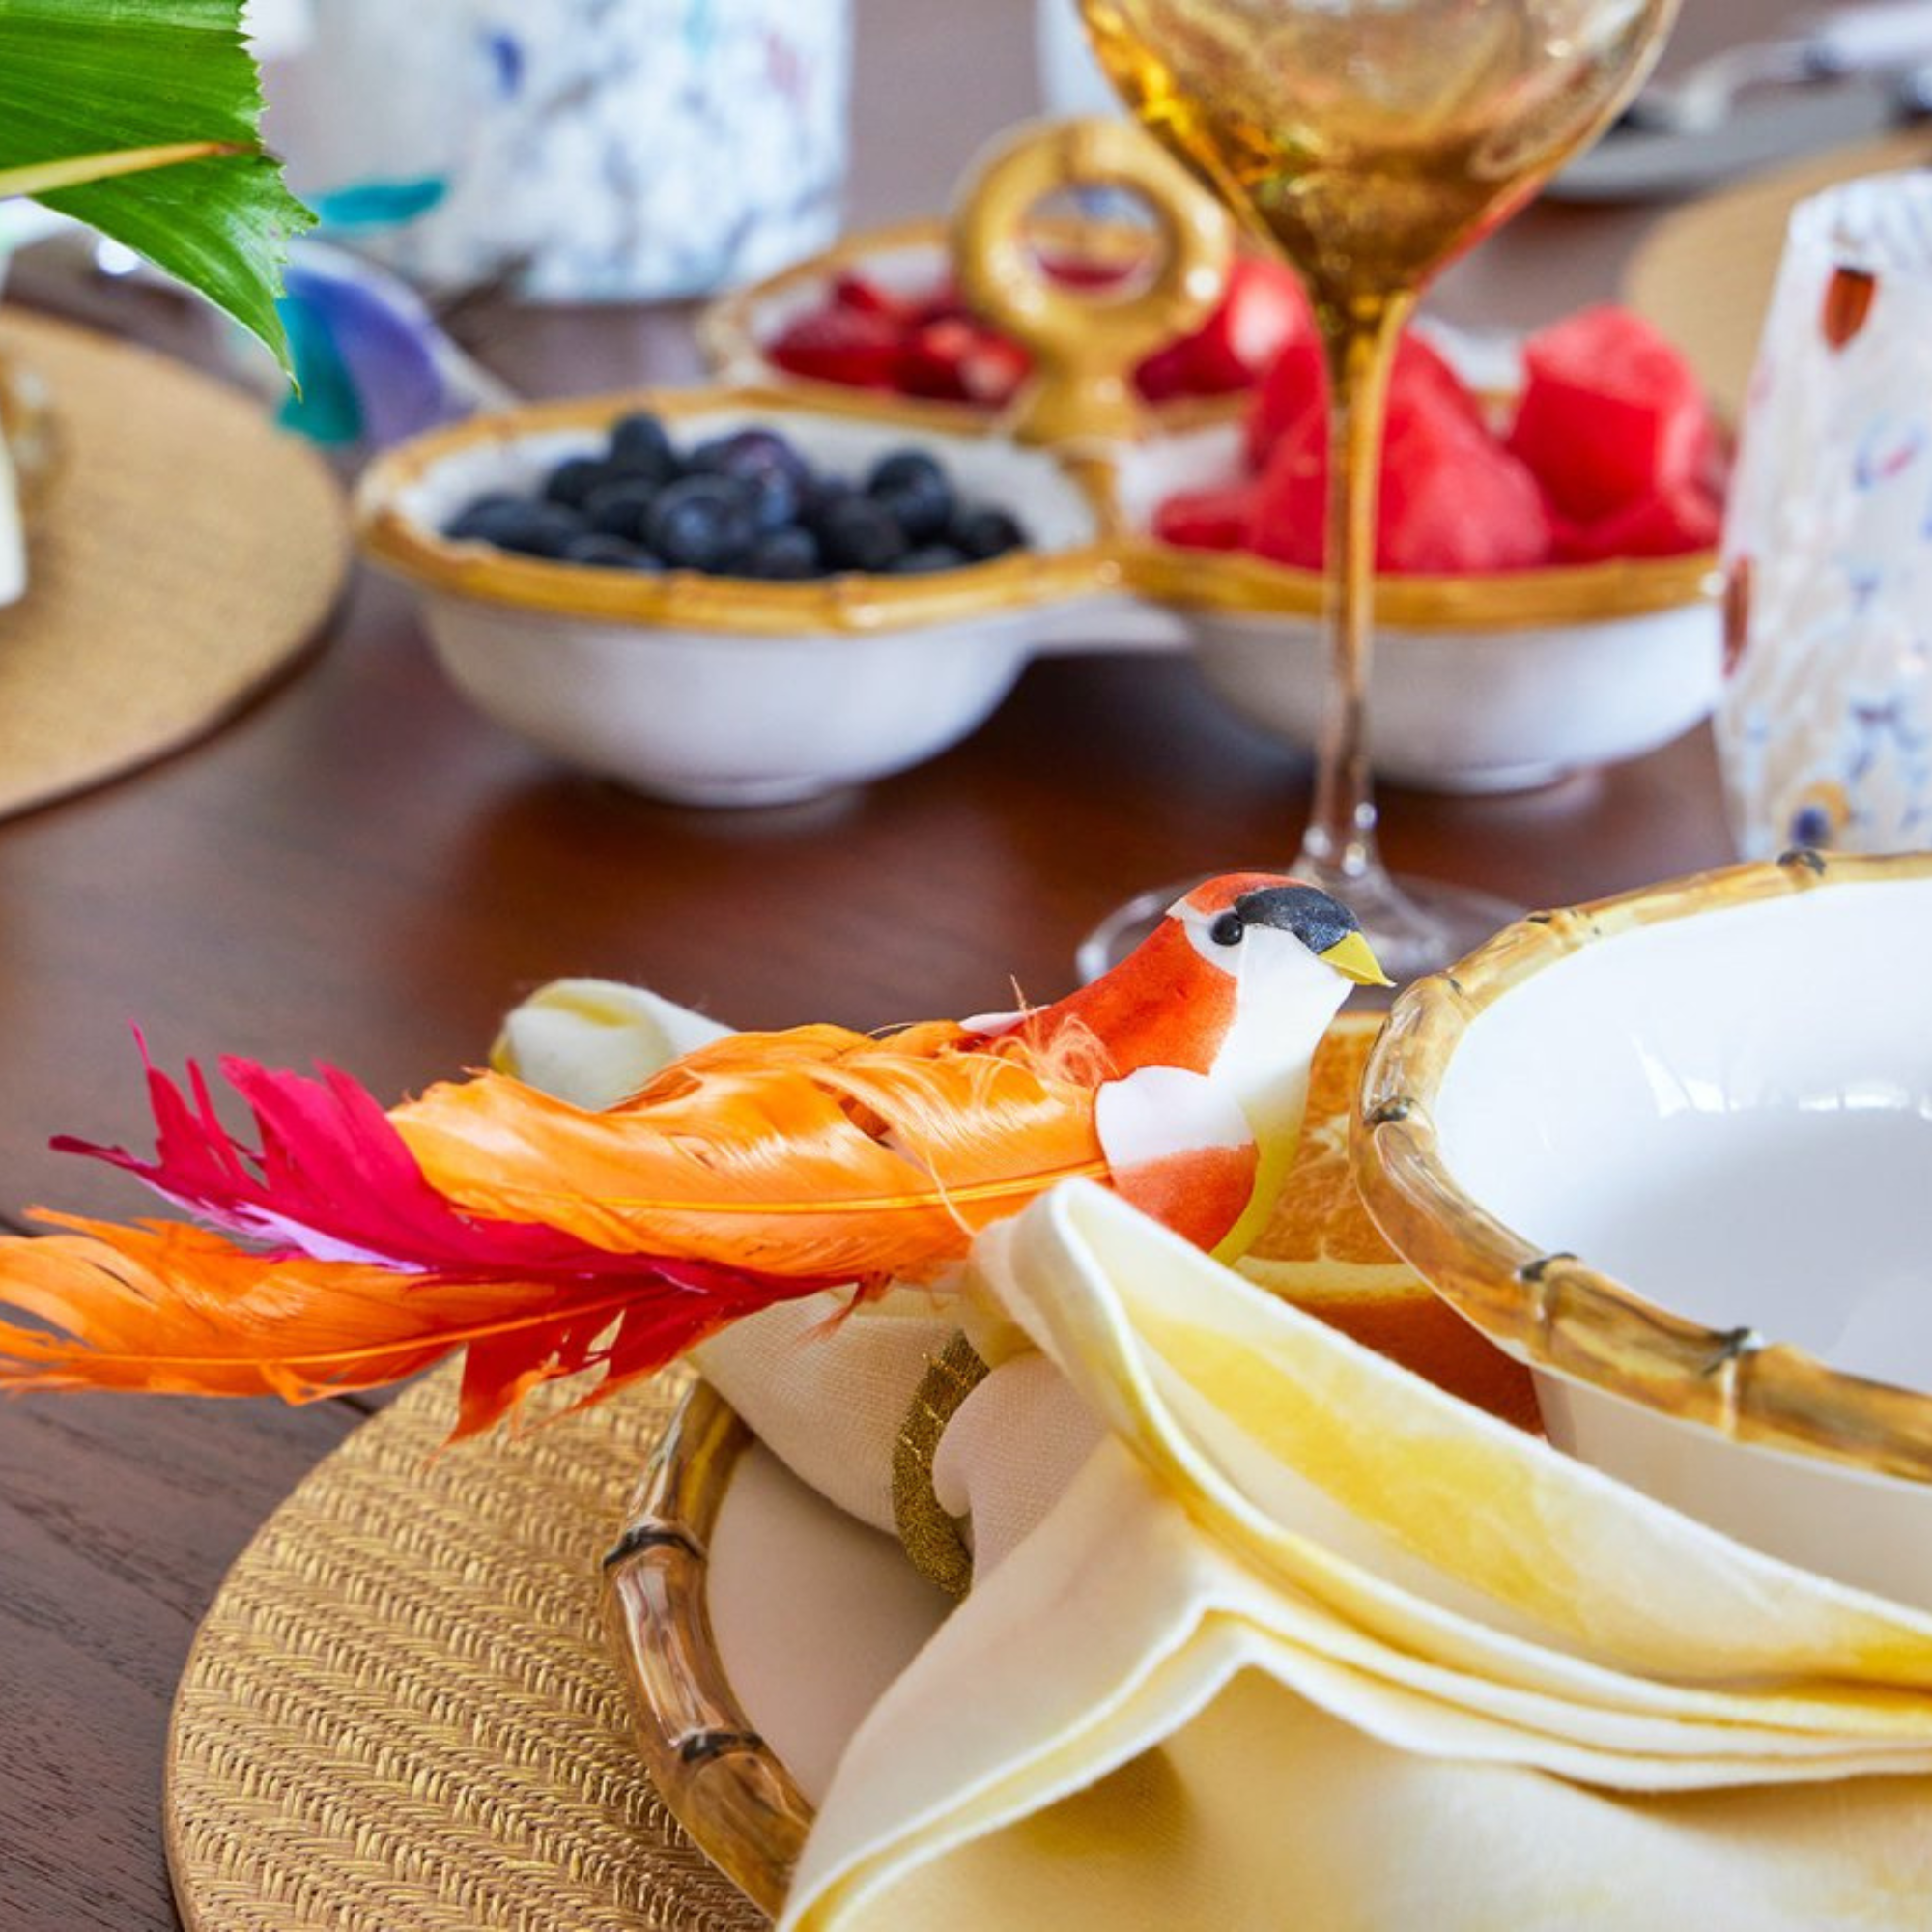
813, 1613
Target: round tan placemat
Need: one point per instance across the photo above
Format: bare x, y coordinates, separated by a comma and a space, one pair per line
1704, 274
402, 1713
186, 551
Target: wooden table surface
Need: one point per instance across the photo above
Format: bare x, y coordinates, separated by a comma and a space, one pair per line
362, 870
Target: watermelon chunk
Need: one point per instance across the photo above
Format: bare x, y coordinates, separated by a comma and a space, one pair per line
1217, 519
1453, 500
1262, 312
1610, 414
1672, 522
1295, 385
1294, 388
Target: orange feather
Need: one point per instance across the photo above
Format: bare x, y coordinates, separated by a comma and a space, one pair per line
816, 1150
176, 1310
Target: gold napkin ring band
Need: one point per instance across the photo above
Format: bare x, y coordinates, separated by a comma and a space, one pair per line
934, 1541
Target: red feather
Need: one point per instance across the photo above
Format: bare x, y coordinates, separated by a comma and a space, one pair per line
332, 1179
373, 1274
811, 1160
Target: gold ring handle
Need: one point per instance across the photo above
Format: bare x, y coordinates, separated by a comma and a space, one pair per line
1085, 343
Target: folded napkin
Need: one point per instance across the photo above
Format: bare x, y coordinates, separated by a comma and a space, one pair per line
1267, 1629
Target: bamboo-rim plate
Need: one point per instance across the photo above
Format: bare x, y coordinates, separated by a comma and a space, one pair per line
724, 1783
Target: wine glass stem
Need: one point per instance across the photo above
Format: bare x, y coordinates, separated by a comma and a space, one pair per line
1359, 344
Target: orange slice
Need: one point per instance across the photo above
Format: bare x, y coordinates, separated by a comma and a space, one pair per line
1322, 1252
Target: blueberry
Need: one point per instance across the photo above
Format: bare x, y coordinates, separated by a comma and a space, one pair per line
574, 479
820, 495
640, 447
922, 514
480, 517
984, 532
749, 452
702, 522
516, 524
927, 556
617, 509
776, 500
859, 534
912, 486
764, 459
904, 469
608, 553
785, 554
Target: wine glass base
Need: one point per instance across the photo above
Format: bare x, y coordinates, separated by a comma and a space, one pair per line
1415, 925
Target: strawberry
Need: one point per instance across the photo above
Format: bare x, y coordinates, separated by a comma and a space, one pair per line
851, 346
1164, 374
962, 361
853, 291
1083, 271
1217, 519
942, 302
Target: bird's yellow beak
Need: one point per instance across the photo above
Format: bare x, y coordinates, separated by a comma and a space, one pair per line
1350, 957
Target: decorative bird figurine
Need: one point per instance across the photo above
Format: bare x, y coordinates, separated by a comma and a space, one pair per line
545, 1239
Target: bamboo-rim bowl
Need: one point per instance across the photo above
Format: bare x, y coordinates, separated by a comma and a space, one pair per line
1670, 1149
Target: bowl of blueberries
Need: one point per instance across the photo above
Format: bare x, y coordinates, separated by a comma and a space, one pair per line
724, 597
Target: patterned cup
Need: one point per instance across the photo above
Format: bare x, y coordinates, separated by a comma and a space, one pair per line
590, 149
1825, 726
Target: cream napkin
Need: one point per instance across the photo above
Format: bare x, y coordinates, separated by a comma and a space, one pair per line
1309, 1641
1287, 1636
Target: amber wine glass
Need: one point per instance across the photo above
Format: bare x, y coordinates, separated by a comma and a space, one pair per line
1371, 141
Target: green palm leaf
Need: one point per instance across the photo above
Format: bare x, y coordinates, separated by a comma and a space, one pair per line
140, 118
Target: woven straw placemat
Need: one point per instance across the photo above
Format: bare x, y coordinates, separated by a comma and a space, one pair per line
186, 551
1704, 274
402, 1713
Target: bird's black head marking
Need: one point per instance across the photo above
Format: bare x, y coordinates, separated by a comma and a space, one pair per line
1312, 915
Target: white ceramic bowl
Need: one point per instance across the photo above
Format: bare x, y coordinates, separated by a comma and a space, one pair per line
719, 690
1477, 684
1674, 1151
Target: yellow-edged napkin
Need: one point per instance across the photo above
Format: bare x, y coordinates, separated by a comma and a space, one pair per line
1268, 1632
1310, 1642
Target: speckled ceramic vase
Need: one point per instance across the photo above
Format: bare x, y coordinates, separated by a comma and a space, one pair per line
588, 150
1825, 726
